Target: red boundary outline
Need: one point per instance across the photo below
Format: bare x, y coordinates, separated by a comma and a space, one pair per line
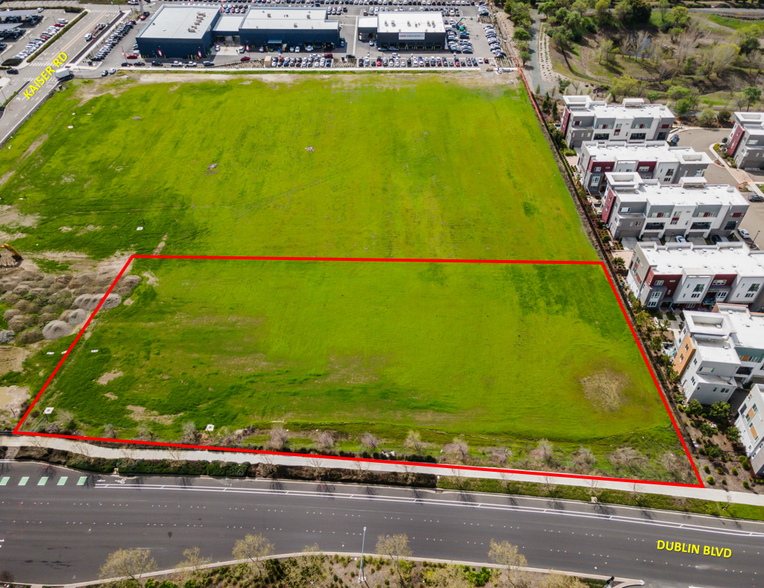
17, 430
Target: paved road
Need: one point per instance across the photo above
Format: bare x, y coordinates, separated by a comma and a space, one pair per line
57, 526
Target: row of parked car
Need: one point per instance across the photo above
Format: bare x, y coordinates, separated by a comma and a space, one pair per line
312, 60
46, 35
397, 61
493, 41
112, 41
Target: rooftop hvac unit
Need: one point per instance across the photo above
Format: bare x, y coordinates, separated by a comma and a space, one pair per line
408, 23
269, 15
295, 25
393, 23
307, 15
385, 23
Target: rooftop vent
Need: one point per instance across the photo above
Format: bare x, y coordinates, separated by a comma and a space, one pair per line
269, 15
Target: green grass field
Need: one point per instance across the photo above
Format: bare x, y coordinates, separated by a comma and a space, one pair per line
496, 351
398, 167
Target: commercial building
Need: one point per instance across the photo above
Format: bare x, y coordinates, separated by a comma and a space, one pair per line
645, 209
746, 141
750, 423
694, 276
404, 30
277, 27
178, 31
190, 31
651, 160
632, 121
719, 352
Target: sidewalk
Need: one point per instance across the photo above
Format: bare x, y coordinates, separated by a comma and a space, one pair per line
348, 463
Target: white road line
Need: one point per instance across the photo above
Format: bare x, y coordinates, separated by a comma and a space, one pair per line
62, 480
4, 481
512, 508
23, 481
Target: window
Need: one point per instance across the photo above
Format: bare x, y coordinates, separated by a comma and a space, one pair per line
675, 220
617, 132
698, 288
664, 126
595, 181
624, 209
745, 358
707, 214
719, 282
695, 361
655, 295
750, 294
670, 172
601, 136
754, 288
695, 295
699, 172
644, 168
577, 123
752, 142
597, 169
737, 214
638, 136
658, 283
692, 379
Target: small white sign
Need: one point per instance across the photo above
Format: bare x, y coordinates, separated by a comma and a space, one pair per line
94, 351
210, 428
139, 229
48, 410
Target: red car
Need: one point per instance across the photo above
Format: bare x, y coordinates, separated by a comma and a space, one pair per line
132, 56
245, 58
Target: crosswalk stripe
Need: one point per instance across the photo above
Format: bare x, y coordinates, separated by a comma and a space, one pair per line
23, 481
62, 480
42, 481
82, 480
4, 481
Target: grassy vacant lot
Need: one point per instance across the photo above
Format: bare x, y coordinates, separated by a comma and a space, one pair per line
397, 166
498, 353
401, 166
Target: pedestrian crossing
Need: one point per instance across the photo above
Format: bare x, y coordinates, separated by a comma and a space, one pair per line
43, 481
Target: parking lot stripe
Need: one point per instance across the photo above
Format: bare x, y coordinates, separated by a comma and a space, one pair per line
62, 480
23, 481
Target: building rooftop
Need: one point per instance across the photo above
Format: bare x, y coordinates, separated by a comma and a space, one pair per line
629, 108
229, 23
690, 259
649, 151
690, 191
410, 22
750, 420
274, 18
21, 13
717, 350
751, 121
747, 329
180, 22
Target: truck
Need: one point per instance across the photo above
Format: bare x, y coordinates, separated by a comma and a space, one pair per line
64, 74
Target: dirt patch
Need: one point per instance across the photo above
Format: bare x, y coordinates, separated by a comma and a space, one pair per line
6, 176
9, 215
88, 229
354, 370
161, 245
33, 147
111, 396
11, 359
108, 377
151, 279
13, 398
604, 389
140, 413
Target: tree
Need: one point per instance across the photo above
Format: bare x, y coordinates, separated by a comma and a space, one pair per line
724, 117
521, 35
747, 39
602, 13
306, 569
108, 431
622, 12
562, 38
369, 441
683, 106
254, 549
546, 105
707, 117
525, 56
693, 408
721, 58
605, 50
663, 8
7, 577
624, 86
510, 559
396, 547
719, 412
413, 442
680, 16
652, 96
189, 433
128, 564
457, 449
192, 563
446, 577
752, 96
678, 92
733, 434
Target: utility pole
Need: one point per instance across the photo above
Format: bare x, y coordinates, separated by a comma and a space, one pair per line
361, 577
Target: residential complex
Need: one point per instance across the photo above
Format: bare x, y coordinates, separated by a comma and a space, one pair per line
750, 423
719, 351
651, 160
634, 207
690, 276
746, 141
633, 121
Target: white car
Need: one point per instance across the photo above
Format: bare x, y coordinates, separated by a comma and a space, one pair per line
744, 234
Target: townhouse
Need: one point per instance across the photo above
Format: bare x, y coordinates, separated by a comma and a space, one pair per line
719, 352
645, 209
684, 275
746, 140
651, 160
632, 121
750, 423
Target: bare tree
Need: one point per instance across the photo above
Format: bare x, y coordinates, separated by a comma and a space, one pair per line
191, 565
413, 442
318, 467
279, 438
325, 440
254, 549
108, 431
83, 449
144, 432
396, 547
175, 454
685, 47
457, 450
128, 564
190, 435
511, 560
720, 58
369, 441
362, 468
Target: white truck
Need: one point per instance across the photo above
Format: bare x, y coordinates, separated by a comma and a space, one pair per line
64, 74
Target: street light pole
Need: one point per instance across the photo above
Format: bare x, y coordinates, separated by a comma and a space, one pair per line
363, 544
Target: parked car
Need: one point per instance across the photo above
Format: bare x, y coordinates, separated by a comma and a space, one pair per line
104, 73
756, 198
245, 58
744, 234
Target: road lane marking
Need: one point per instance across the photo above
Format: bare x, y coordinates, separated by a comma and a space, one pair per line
62, 480
4, 481
82, 480
42, 481
23, 481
